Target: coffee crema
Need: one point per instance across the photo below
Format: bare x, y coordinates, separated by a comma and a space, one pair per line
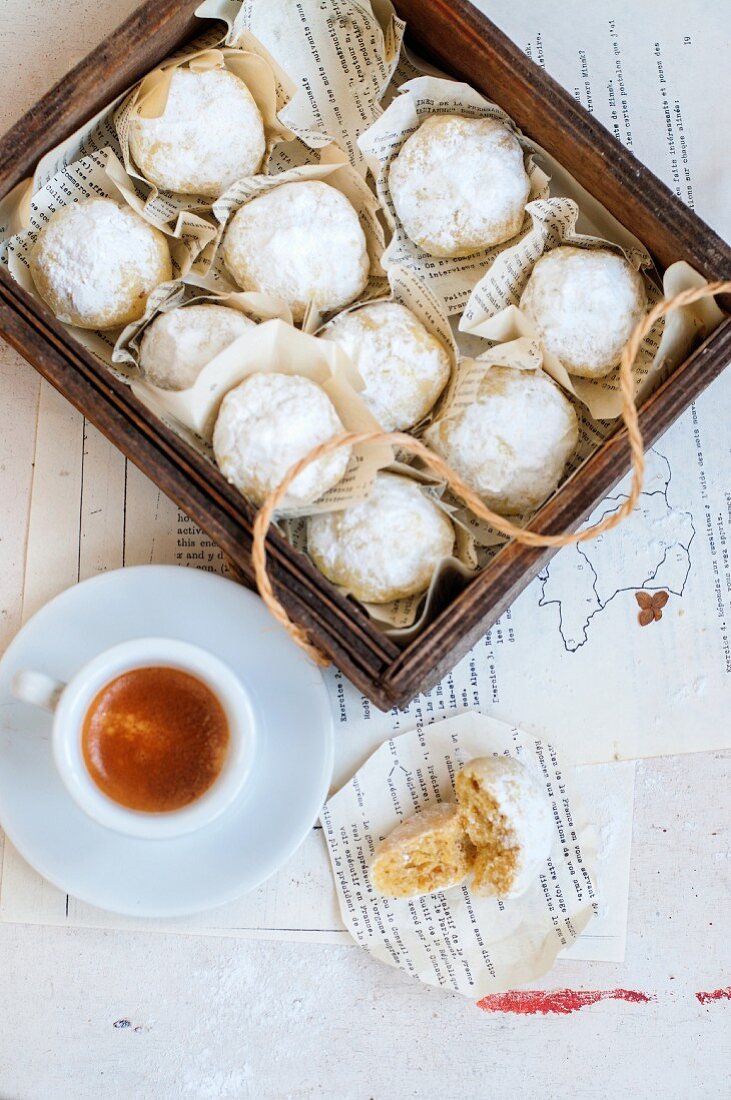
155, 739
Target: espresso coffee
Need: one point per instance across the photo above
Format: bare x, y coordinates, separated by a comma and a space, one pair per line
155, 739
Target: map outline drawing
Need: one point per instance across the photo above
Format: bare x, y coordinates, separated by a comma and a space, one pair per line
587, 593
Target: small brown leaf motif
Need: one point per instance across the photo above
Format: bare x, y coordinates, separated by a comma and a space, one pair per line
651, 605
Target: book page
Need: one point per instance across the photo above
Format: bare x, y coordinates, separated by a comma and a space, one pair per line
617, 689
651, 75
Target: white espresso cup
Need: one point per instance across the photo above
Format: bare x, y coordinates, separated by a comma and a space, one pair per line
70, 702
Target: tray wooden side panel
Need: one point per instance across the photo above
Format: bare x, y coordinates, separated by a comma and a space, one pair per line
462, 41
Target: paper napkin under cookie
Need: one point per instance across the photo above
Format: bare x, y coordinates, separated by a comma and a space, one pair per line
473, 945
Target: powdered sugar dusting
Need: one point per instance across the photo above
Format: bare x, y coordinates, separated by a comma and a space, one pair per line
384, 547
209, 135
584, 304
403, 366
302, 242
179, 343
96, 262
267, 424
459, 185
512, 443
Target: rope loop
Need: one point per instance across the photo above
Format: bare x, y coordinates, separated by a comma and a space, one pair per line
437, 465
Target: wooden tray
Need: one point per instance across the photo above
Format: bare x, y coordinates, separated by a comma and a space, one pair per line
464, 43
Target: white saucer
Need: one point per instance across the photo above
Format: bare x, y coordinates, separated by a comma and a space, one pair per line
278, 806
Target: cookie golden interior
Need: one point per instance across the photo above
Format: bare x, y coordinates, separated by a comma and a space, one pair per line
426, 853
490, 831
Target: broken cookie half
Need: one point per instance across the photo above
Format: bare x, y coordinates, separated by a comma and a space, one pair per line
498, 833
428, 852
508, 819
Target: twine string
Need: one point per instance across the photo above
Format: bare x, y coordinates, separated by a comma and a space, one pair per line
437, 465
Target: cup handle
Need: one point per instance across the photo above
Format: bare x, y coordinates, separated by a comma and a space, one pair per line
37, 689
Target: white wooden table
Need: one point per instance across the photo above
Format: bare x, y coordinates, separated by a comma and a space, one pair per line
93, 1014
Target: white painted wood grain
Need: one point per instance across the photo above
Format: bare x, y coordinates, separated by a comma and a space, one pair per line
19, 389
224, 1018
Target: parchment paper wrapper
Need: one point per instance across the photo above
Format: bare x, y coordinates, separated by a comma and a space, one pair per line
493, 311
453, 939
275, 346
15, 209
178, 295
451, 279
270, 90
333, 169
95, 135
96, 175
341, 54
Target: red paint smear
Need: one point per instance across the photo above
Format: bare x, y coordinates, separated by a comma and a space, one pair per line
561, 1002
715, 995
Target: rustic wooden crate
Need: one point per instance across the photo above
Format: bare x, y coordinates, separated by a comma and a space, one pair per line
464, 43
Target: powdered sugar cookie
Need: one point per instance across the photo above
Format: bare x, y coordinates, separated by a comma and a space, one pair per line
459, 185
269, 422
209, 135
301, 242
96, 262
403, 366
511, 444
428, 852
508, 819
385, 547
584, 304
178, 344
